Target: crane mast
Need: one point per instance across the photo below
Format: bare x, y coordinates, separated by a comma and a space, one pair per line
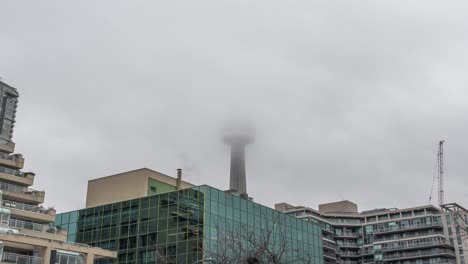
440, 166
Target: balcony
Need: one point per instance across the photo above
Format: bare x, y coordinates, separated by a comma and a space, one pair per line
406, 235
7, 146
329, 255
348, 245
15, 161
366, 252
396, 228
16, 176
15, 223
27, 240
349, 254
20, 259
21, 193
30, 212
346, 235
328, 245
417, 246
37, 229
419, 254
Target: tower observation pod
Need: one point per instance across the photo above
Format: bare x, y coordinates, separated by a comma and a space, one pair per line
238, 137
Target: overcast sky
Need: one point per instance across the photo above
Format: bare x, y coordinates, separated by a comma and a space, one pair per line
349, 98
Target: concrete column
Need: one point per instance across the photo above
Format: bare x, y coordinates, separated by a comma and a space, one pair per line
89, 258
46, 255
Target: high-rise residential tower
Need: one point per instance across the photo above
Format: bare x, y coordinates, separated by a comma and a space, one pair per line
26, 231
8, 102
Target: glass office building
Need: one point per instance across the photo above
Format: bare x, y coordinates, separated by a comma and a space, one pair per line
190, 225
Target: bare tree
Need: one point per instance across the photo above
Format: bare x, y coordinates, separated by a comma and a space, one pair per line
245, 244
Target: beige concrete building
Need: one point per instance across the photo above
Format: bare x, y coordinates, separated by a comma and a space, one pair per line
418, 235
131, 185
27, 234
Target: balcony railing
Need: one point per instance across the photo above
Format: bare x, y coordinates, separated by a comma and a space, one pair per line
406, 227
415, 245
349, 253
11, 172
347, 234
380, 239
6, 142
25, 207
348, 244
420, 253
330, 255
13, 157
29, 225
329, 245
15, 188
20, 259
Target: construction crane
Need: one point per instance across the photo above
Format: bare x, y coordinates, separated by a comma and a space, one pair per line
439, 174
440, 167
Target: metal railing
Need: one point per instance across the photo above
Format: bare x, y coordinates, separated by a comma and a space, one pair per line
419, 253
380, 239
328, 254
329, 245
406, 227
15, 188
348, 253
54, 240
11, 172
348, 244
20, 259
6, 142
28, 225
346, 234
415, 245
25, 207
13, 157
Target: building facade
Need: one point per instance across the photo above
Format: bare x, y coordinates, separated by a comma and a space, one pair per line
130, 185
27, 234
199, 224
419, 235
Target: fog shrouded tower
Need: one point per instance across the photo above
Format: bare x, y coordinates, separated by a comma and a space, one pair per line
237, 137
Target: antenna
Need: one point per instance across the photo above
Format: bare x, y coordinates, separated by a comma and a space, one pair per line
440, 166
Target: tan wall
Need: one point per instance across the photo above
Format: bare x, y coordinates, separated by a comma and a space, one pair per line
35, 217
27, 181
342, 207
45, 245
17, 164
116, 188
125, 186
58, 236
36, 197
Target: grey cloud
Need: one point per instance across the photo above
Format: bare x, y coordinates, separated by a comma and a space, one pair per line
349, 98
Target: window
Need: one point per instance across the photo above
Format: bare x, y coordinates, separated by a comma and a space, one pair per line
152, 190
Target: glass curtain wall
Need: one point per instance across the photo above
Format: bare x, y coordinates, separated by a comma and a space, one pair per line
190, 225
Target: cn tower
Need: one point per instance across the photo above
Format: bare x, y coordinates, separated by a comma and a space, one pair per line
238, 137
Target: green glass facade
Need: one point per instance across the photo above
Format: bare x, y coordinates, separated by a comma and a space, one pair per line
187, 226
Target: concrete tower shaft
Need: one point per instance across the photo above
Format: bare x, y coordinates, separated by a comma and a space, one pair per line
238, 140
238, 180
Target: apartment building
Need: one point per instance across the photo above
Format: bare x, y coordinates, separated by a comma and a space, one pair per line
27, 234
419, 235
